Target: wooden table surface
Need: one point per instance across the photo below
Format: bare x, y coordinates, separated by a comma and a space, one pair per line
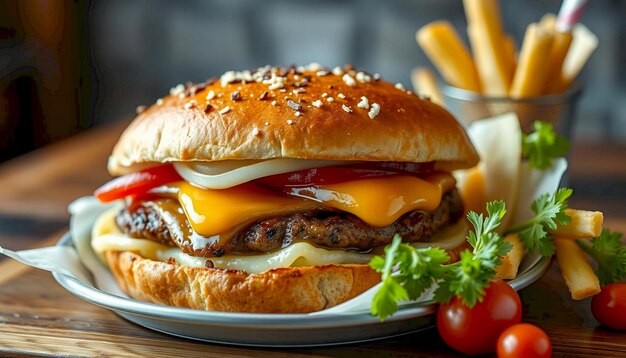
38, 317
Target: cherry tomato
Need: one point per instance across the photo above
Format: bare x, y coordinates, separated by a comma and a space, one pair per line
609, 306
524, 340
476, 330
330, 175
137, 183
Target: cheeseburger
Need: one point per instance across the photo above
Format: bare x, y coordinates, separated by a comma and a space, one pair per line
270, 191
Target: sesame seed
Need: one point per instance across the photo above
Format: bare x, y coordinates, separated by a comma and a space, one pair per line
295, 106
267, 123
263, 96
181, 95
298, 113
346, 108
283, 90
337, 71
349, 80
364, 103
276, 85
140, 109
374, 110
159, 101
290, 122
314, 66
409, 92
190, 104
317, 103
363, 77
176, 90
235, 96
220, 95
376, 76
341, 95
227, 78
321, 73
256, 131
273, 103
399, 86
324, 95
329, 99
225, 110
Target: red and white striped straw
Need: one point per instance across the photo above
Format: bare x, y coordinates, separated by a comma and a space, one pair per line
571, 11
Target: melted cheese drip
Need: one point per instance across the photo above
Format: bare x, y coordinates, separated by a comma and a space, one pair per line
377, 201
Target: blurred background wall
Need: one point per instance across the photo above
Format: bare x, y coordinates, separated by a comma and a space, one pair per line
68, 65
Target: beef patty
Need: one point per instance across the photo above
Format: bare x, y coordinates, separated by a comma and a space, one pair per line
164, 221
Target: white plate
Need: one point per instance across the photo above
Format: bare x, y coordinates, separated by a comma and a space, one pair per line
274, 330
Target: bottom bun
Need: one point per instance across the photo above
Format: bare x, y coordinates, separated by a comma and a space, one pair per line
281, 290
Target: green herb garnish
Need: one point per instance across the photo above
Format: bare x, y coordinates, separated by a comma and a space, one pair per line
407, 271
543, 145
549, 212
468, 278
416, 271
609, 253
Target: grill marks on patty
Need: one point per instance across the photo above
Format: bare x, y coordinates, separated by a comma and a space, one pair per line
330, 229
343, 230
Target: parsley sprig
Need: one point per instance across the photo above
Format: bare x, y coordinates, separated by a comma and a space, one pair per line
609, 253
407, 272
417, 270
549, 212
543, 145
468, 278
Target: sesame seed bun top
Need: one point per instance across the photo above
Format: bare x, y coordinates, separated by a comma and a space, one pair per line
306, 113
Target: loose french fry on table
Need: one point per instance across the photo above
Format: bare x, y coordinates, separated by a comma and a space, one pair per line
585, 224
425, 84
530, 74
576, 270
510, 263
486, 38
583, 44
447, 52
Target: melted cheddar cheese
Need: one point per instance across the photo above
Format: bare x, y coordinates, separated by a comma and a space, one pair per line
377, 201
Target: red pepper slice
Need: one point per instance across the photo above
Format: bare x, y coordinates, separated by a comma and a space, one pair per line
137, 183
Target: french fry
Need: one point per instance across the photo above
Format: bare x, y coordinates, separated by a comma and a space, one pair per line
584, 43
510, 262
560, 47
576, 270
424, 84
548, 22
472, 190
486, 37
510, 51
584, 224
530, 75
446, 51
